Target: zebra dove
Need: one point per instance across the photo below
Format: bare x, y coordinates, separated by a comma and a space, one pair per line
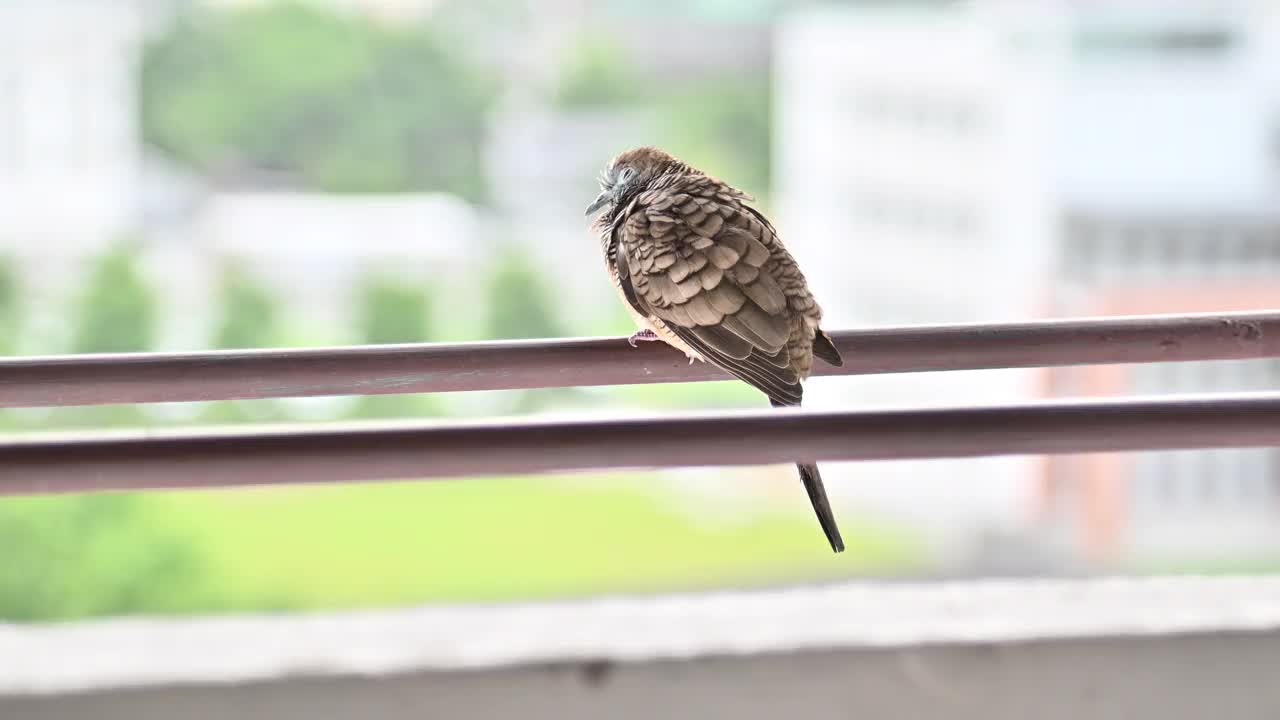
703, 271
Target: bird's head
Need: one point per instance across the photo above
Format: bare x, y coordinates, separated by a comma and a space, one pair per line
629, 173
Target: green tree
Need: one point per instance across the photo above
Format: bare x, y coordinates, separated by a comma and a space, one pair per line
330, 101
73, 557
249, 318
116, 312
9, 312
595, 73
117, 309
720, 122
520, 304
394, 311
723, 125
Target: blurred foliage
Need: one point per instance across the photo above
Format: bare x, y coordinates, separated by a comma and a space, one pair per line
249, 319
9, 311
521, 303
117, 310
249, 316
595, 73
722, 125
115, 313
70, 557
333, 102
394, 311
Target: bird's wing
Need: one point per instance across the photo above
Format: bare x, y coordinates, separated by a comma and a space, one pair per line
701, 266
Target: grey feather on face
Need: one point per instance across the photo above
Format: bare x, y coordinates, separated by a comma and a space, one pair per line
614, 182
630, 172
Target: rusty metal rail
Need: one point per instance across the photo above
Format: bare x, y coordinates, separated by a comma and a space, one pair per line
361, 453
369, 370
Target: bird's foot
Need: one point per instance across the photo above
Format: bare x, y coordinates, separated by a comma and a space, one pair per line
645, 335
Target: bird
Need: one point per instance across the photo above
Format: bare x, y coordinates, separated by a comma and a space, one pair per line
702, 270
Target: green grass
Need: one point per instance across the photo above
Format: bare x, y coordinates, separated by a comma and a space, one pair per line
491, 540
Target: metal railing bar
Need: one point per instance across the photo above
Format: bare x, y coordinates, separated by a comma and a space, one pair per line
71, 463
370, 370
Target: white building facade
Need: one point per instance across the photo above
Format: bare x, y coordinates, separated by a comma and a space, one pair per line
935, 166
69, 140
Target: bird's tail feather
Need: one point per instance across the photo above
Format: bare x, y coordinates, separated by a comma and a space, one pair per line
826, 350
812, 480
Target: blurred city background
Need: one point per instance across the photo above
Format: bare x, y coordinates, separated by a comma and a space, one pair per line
182, 175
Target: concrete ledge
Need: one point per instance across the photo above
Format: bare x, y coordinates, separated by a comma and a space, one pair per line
1063, 648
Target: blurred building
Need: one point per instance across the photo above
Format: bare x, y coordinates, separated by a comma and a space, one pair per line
995, 161
69, 142
70, 154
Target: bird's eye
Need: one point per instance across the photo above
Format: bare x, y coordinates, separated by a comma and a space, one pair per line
625, 175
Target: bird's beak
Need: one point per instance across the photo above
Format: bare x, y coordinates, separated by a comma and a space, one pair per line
598, 203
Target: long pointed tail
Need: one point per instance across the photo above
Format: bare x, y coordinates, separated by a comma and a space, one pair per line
812, 480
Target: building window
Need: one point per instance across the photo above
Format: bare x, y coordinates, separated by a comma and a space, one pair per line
1109, 42
912, 211
1235, 481
916, 111
1097, 250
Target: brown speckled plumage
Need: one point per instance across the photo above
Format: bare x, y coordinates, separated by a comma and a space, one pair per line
707, 274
